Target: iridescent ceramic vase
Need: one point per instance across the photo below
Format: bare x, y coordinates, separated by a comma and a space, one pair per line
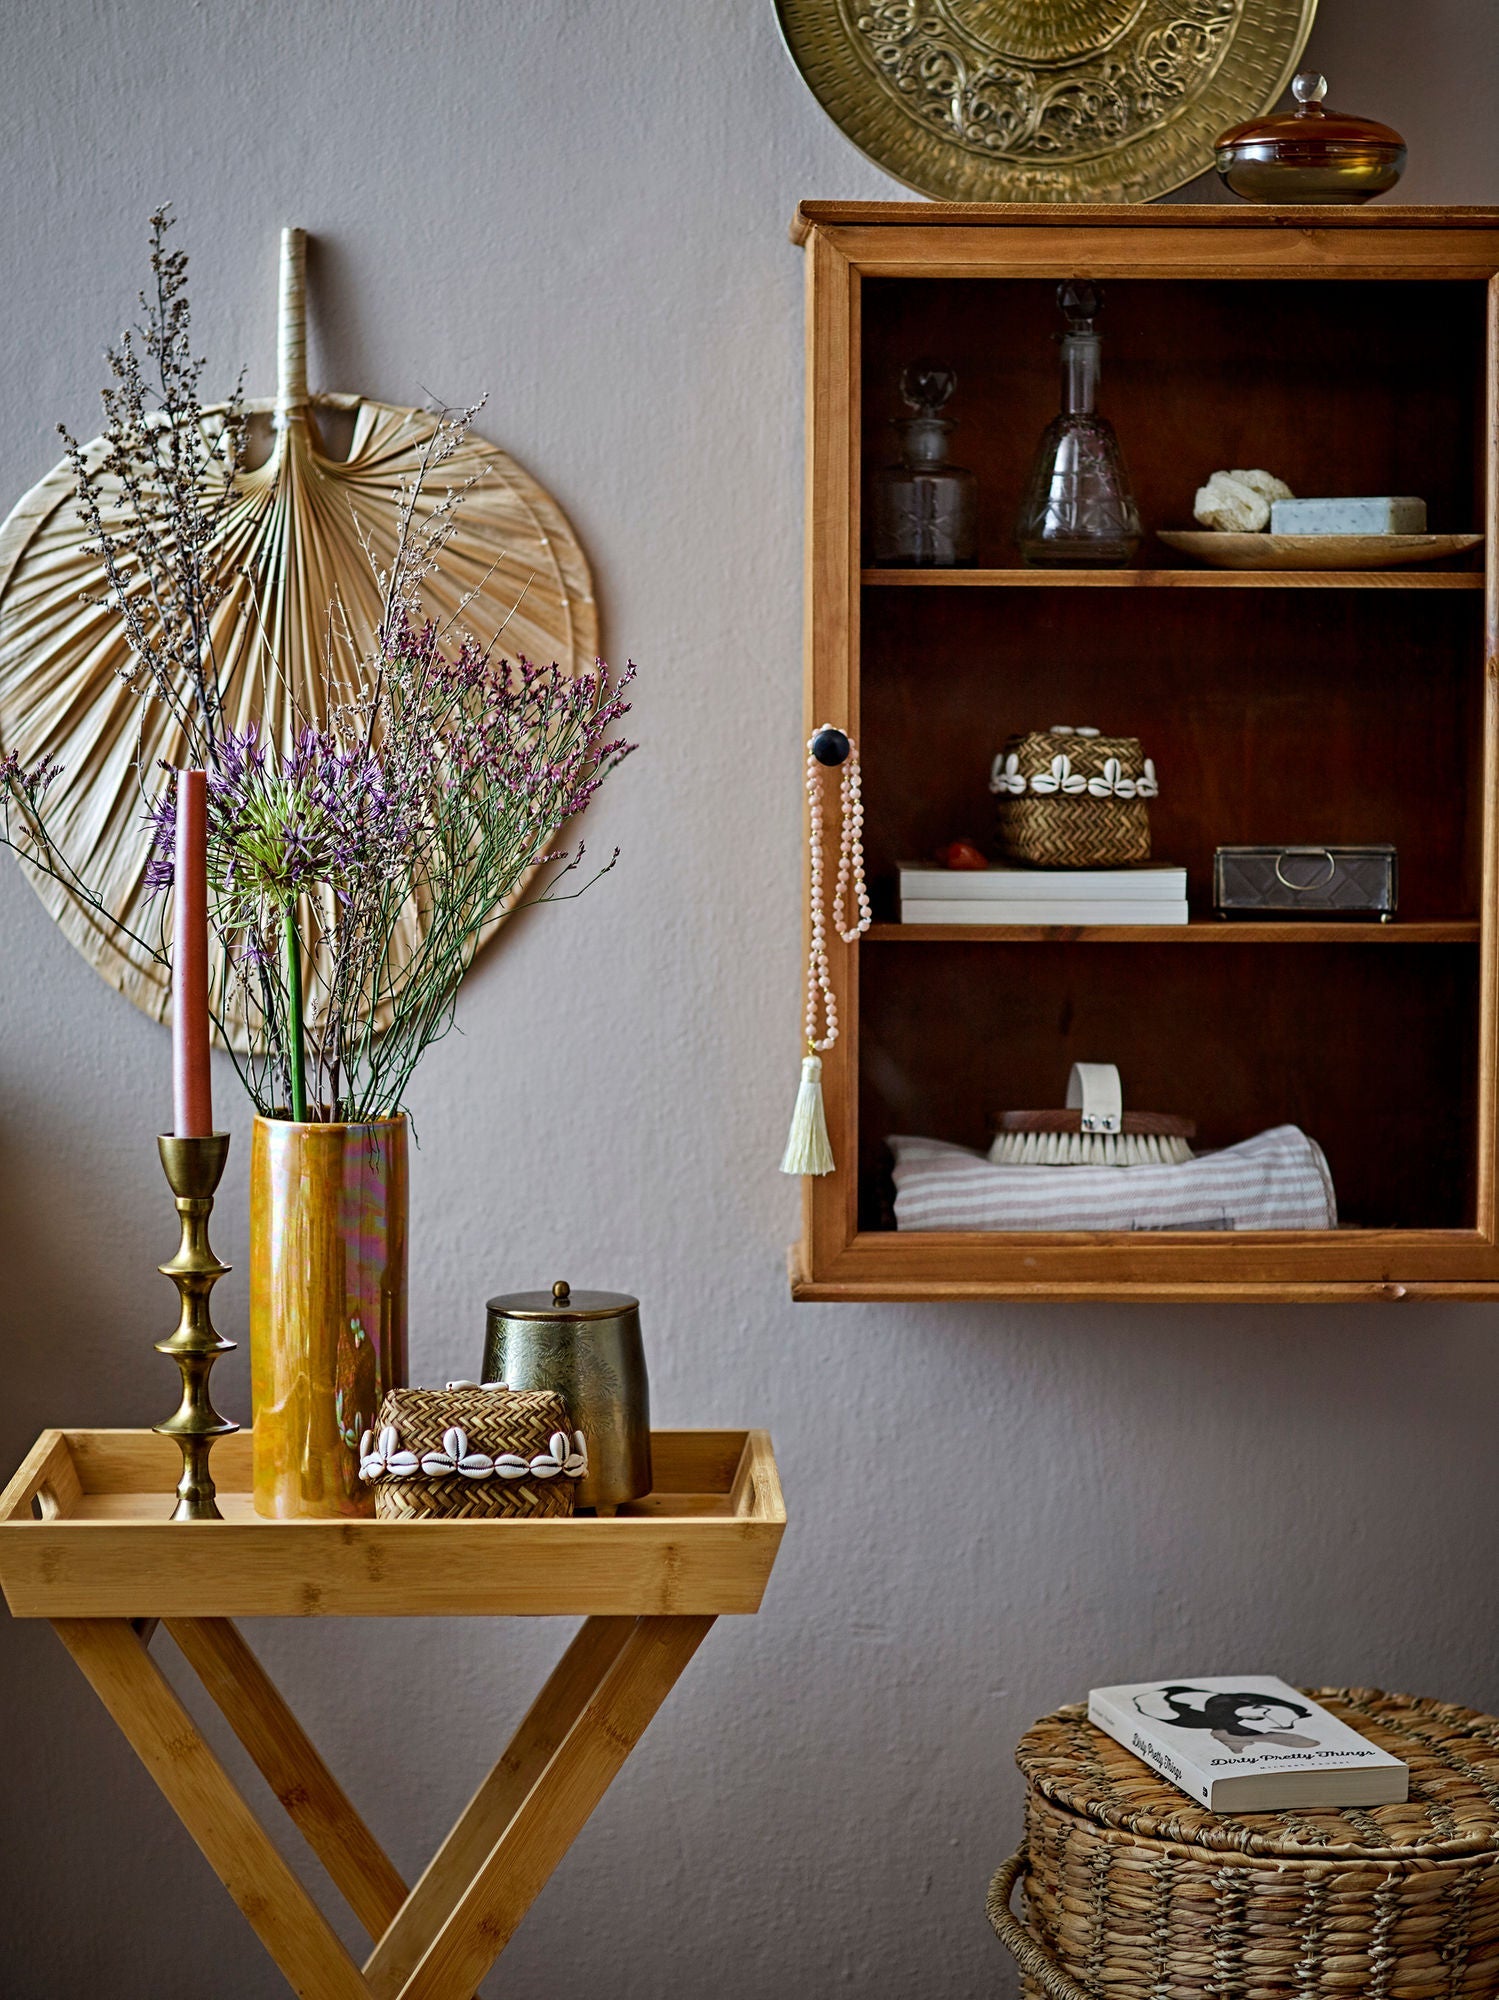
328, 1206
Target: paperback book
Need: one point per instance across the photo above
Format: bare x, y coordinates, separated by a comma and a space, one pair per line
1248, 1743
1075, 910
1145, 881
1151, 893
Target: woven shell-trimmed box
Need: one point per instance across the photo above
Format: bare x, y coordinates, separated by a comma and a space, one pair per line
1135, 1892
1072, 798
473, 1453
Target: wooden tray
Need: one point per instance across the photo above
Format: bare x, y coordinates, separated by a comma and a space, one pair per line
1225, 551
84, 1533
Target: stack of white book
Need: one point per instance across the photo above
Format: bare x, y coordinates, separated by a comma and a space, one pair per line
1149, 893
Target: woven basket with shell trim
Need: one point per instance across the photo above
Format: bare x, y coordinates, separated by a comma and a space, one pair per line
1134, 1892
472, 1454
1074, 799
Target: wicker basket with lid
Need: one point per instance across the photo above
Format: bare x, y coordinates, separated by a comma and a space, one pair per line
1134, 1892
1074, 798
473, 1453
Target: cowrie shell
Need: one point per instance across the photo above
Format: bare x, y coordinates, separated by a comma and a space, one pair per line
575, 1466
436, 1463
558, 1446
476, 1465
545, 1468
371, 1468
508, 1466
455, 1442
402, 1464
366, 1446
387, 1441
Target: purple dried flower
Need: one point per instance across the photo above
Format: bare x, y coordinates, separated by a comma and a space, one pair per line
379, 845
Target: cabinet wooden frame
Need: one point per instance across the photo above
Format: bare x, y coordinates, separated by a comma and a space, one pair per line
848, 244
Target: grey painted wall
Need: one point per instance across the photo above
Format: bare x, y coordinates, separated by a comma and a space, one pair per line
583, 209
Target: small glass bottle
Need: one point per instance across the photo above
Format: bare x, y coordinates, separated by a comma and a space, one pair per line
1078, 507
924, 512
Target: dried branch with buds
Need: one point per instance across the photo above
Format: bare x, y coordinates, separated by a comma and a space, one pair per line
352, 877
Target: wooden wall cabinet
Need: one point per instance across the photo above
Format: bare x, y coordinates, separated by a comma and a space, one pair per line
1348, 350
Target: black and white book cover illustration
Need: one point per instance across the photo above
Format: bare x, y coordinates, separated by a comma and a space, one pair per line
1248, 1743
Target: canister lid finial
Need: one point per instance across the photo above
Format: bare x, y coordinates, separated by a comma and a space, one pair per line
561, 1292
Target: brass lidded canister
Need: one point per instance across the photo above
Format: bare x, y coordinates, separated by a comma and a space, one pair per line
586, 1345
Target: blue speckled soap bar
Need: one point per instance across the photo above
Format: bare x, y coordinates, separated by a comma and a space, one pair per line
1378, 516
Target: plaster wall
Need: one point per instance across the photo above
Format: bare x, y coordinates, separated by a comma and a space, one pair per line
582, 209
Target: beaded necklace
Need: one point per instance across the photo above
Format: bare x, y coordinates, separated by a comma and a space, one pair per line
808, 1150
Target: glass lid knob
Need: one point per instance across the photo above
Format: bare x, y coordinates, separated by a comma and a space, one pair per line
1080, 303
926, 385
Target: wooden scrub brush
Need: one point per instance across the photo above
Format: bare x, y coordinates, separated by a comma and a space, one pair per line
1094, 1131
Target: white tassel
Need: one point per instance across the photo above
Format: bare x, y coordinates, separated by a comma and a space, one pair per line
807, 1148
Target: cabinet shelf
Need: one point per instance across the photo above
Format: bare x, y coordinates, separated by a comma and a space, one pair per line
1173, 579
1210, 930
1325, 706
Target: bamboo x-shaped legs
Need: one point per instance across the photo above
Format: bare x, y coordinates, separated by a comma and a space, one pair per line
439, 1941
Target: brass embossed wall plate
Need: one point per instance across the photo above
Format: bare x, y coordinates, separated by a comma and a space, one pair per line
1044, 100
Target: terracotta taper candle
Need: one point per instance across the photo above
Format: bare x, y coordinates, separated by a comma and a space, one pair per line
192, 1093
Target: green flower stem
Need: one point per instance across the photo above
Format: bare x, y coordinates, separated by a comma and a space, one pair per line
297, 1051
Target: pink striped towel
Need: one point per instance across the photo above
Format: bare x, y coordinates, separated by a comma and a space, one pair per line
1277, 1180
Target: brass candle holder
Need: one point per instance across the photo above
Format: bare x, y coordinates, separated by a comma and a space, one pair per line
193, 1168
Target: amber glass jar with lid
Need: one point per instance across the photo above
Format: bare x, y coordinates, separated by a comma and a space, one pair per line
1311, 154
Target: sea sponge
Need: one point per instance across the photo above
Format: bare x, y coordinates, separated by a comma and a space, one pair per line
1238, 502
1264, 483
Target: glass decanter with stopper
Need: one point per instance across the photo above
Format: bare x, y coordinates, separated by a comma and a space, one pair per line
924, 511
1078, 508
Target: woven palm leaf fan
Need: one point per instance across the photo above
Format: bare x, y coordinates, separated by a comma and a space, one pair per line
303, 533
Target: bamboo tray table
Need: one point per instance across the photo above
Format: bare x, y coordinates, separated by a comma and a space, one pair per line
85, 1542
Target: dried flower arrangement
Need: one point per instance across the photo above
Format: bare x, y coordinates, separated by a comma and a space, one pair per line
433, 787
